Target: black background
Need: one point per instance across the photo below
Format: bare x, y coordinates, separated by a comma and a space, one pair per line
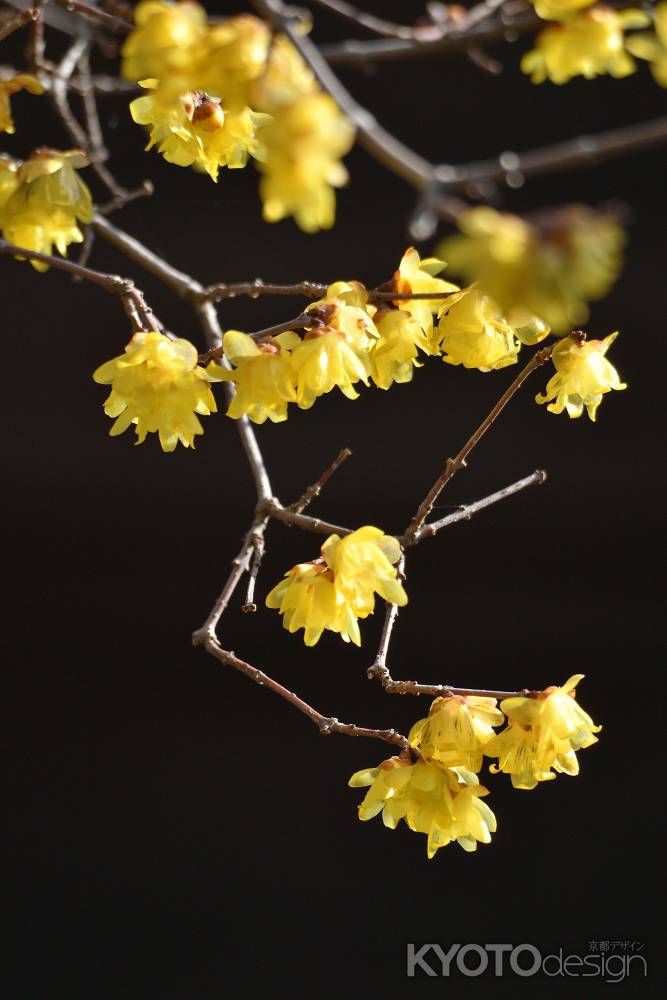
174, 830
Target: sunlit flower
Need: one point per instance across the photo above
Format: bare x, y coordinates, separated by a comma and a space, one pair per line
394, 356
335, 351
583, 375
472, 332
363, 565
560, 10
47, 202
158, 386
456, 730
196, 131
10, 85
307, 599
442, 802
543, 733
264, 376
590, 44
548, 267
653, 47
419, 276
168, 44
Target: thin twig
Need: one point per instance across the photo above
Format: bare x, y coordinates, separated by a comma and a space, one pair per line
466, 511
259, 545
454, 464
36, 45
273, 508
14, 23
98, 149
380, 26
111, 22
316, 488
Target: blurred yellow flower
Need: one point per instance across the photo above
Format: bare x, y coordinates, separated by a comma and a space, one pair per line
264, 376
238, 48
472, 332
8, 181
560, 10
583, 375
456, 730
442, 802
10, 85
590, 44
169, 44
158, 386
47, 202
363, 565
653, 47
548, 267
543, 733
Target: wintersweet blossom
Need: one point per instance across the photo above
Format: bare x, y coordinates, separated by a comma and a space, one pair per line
543, 733
169, 44
8, 181
363, 565
263, 375
158, 386
48, 201
307, 599
11, 85
456, 730
560, 10
444, 803
652, 46
420, 276
395, 352
472, 332
583, 376
590, 44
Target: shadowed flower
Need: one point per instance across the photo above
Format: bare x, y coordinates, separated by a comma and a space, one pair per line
653, 47
10, 85
560, 10
8, 181
442, 802
158, 386
543, 733
590, 44
456, 730
264, 376
47, 202
583, 376
472, 332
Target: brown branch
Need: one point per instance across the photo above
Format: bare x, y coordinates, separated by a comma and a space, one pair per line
441, 690
273, 508
14, 23
314, 491
130, 295
36, 45
221, 290
466, 511
380, 26
454, 464
111, 22
93, 125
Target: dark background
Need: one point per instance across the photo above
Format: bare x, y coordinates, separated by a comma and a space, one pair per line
172, 829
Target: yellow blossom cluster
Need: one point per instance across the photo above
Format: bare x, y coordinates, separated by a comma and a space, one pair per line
439, 794
653, 46
10, 85
158, 387
583, 376
588, 43
222, 92
550, 266
334, 591
43, 200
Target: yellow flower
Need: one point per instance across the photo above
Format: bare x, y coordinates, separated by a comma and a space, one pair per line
8, 181
169, 44
307, 599
543, 733
304, 143
264, 376
442, 802
394, 356
48, 200
473, 333
560, 10
418, 276
590, 44
363, 564
334, 591
456, 730
335, 352
547, 268
194, 130
10, 85
583, 375
237, 54
158, 386
653, 47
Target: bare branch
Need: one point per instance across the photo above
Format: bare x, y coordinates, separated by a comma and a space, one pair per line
454, 464
273, 508
314, 491
14, 23
90, 108
111, 22
465, 512
378, 25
